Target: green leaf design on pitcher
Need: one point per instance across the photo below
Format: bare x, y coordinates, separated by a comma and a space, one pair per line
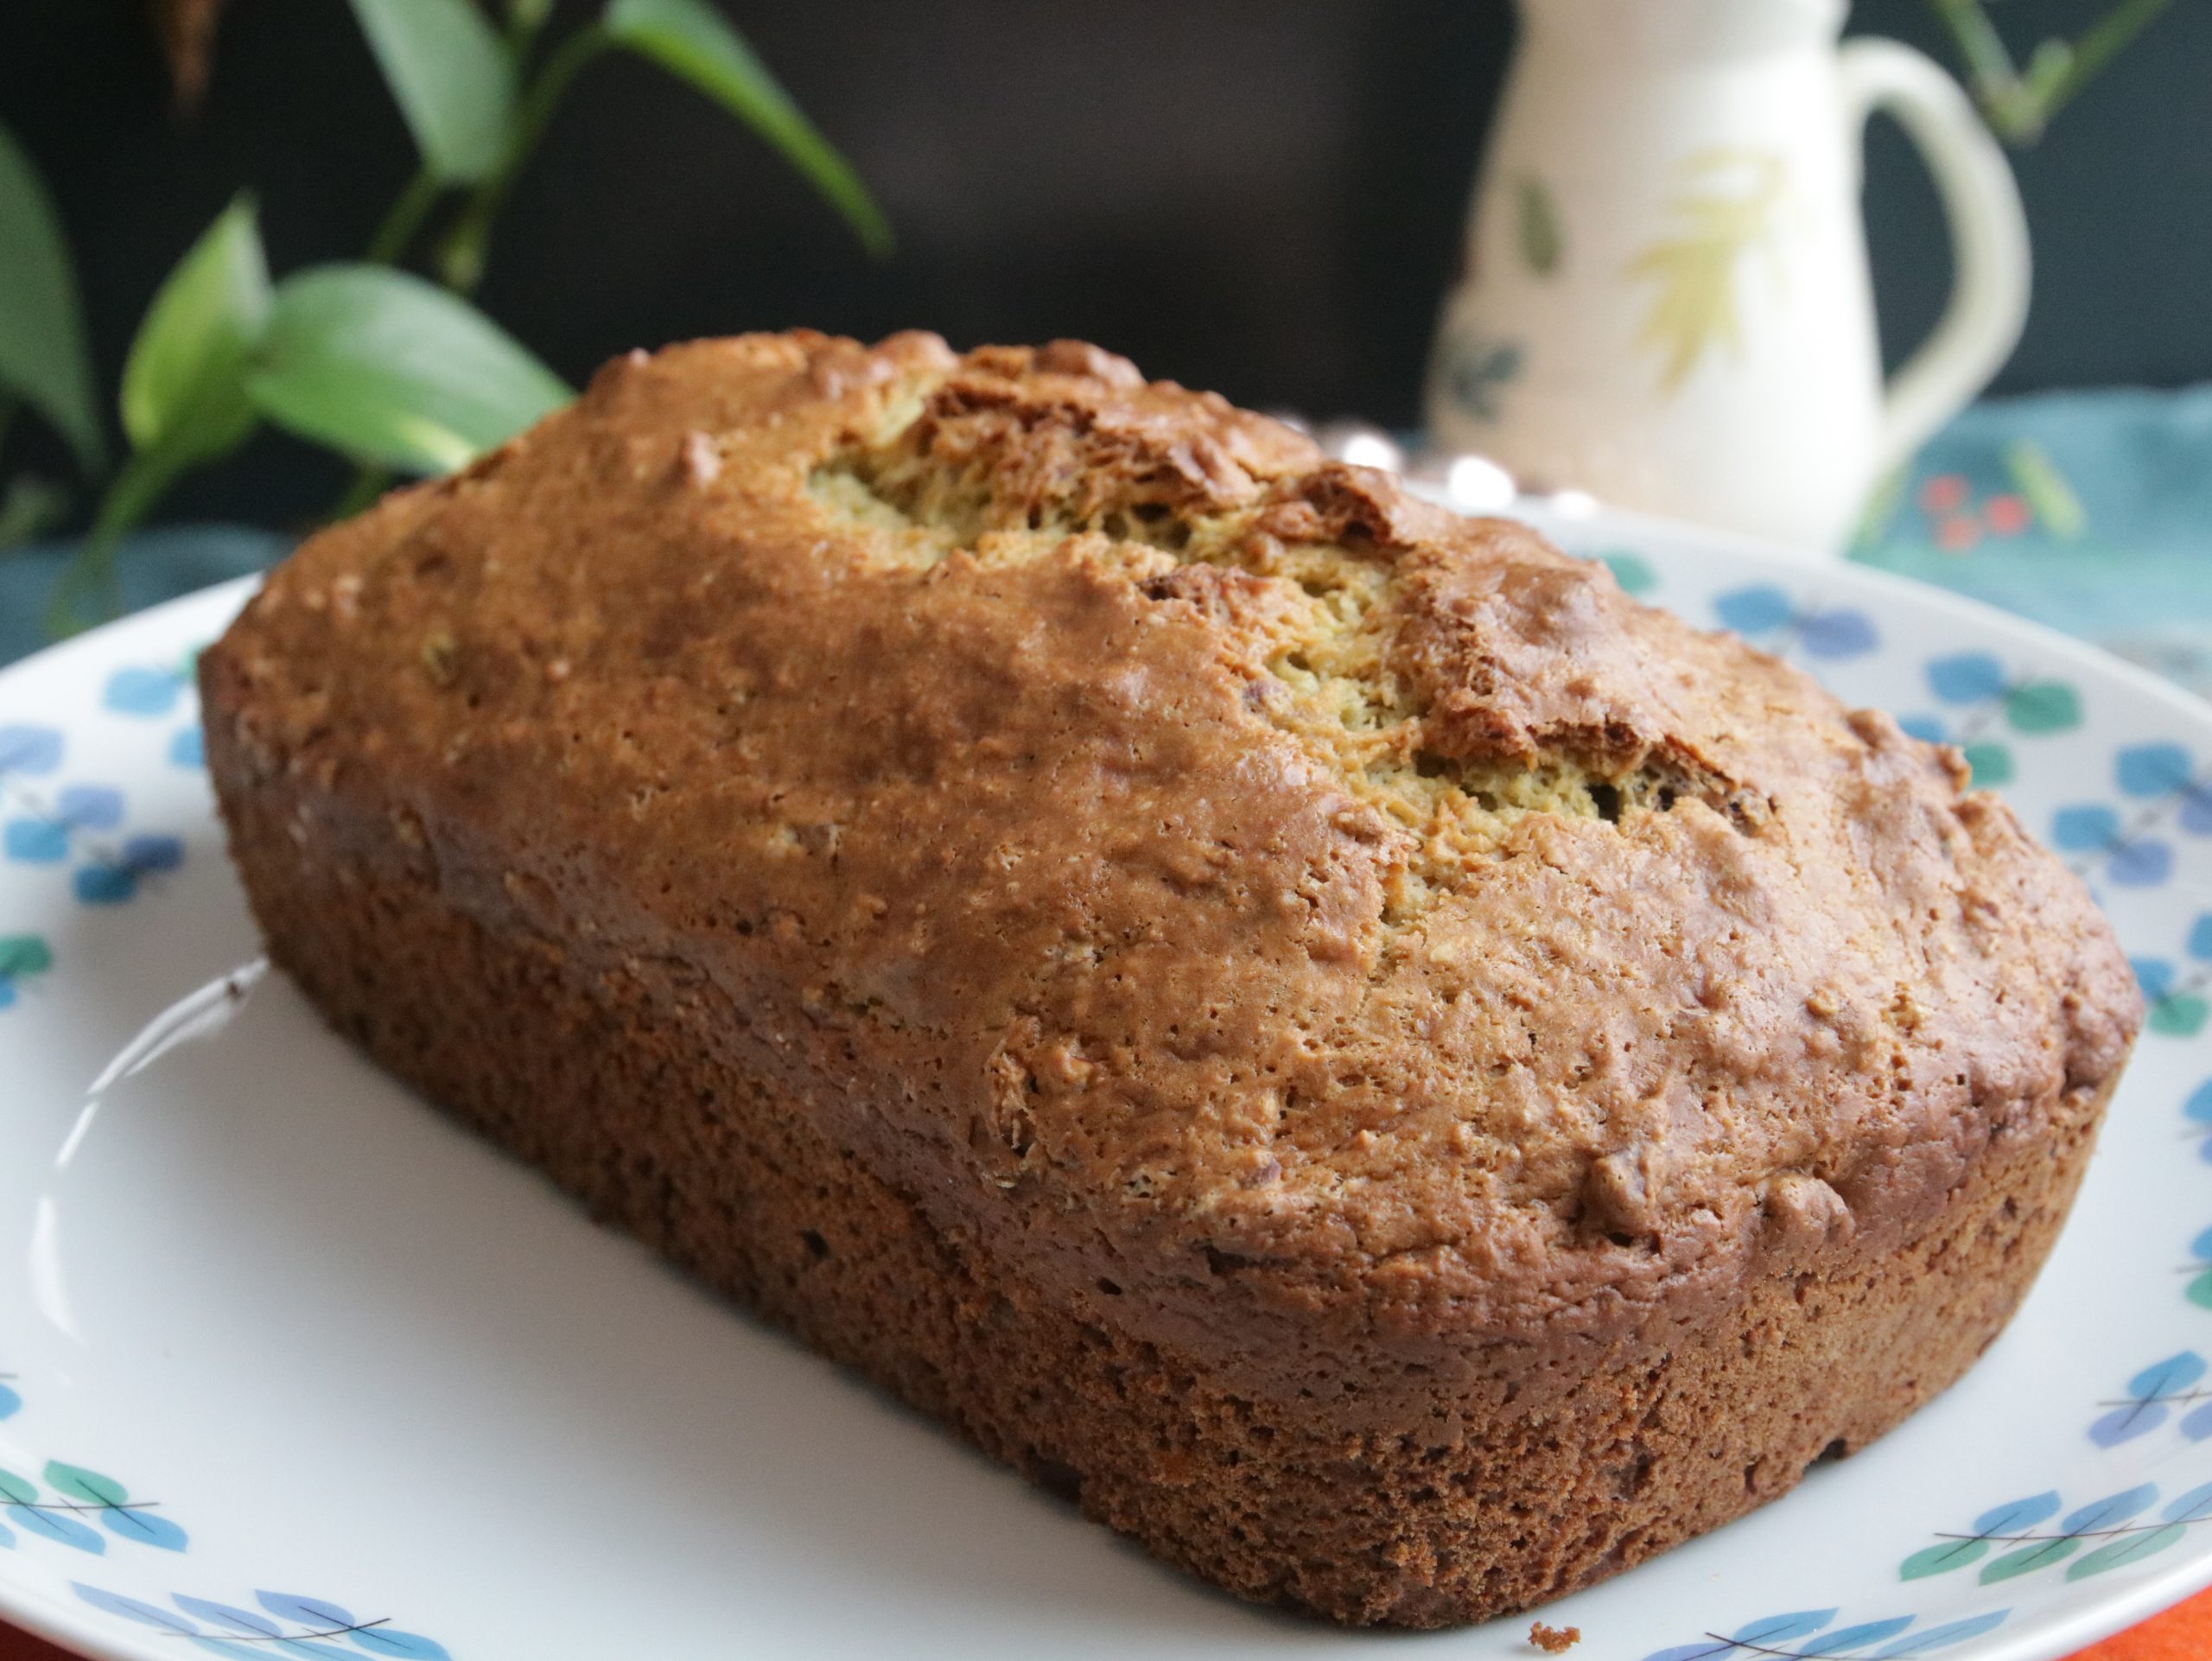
1543, 238
1730, 204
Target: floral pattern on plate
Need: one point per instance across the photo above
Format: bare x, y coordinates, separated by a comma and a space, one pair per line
290, 1624
1809, 1632
79, 1498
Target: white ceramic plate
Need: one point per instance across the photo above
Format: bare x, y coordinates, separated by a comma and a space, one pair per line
288, 1366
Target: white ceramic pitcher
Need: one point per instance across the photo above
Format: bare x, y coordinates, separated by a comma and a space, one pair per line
1666, 300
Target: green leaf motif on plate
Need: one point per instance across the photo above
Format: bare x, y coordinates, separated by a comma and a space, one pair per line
2179, 1015
395, 372
1941, 1558
2043, 706
24, 954
88, 1485
1632, 571
452, 80
1992, 763
2028, 1559
2129, 1547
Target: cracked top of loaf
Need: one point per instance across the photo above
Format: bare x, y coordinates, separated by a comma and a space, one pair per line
1225, 875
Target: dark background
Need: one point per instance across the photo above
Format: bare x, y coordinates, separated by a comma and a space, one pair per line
1262, 196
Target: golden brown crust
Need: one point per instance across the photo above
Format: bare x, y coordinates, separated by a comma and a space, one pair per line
1362, 939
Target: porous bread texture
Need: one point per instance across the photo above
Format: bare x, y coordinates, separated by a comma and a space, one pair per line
1351, 955
1321, 613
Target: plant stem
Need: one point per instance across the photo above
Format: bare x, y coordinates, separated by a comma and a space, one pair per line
91, 573
369, 482
30, 507
2019, 107
524, 19
404, 220
2100, 46
1987, 59
1990, 68
461, 256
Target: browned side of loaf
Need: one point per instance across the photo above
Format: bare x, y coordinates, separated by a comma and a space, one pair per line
1413, 1080
601, 1074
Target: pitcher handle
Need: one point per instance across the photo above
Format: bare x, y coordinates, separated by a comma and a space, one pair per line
1988, 305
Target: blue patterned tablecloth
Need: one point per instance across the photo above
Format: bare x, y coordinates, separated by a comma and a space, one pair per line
2091, 512
157, 565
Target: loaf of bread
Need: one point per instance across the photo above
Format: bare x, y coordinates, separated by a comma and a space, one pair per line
1317, 1028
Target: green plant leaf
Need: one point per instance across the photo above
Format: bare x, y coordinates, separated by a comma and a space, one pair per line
80, 1483
29, 507
184, 399
393, 371
43, 358
449, 75
690, 40
184, 383
15, 1491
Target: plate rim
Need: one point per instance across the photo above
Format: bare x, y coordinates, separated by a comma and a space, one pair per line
2047, 1636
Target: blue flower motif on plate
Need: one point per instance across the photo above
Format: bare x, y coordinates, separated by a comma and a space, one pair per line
1809, 1632
137, 690
34, 750
292, 1624
1827, 633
